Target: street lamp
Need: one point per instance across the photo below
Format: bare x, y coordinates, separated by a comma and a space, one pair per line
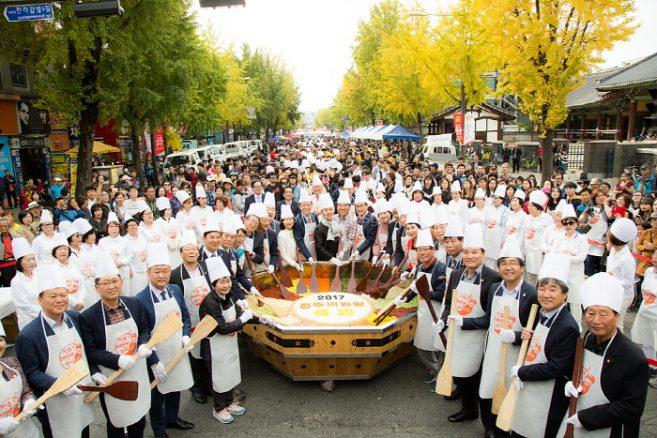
102, 8
221, 3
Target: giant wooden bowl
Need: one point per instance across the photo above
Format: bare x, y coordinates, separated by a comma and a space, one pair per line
331, 352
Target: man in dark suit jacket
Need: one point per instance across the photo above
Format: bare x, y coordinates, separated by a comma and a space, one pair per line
395, 232
257, 196
369, 224
288, 199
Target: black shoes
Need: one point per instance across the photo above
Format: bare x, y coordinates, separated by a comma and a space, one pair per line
199, 397
181, 424
462, 416
489, 434
456, 394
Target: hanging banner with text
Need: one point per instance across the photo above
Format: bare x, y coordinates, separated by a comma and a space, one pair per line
458, 127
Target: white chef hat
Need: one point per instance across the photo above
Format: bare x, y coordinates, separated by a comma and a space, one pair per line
325, 201
399, 185
441, 216
49, 277
104, 266
59, 240
270, 200
67, 229
82, 225
568, 211
20, 247
303, 195
286, 212
360, 197
344, 198
554, 266
623, 229
211, 226
157, 254
413, 217
454, 227
269, 169
163, 203
261, 210
188, 237
511, 248
216, 268
560, 207
348, 183
182, 196
112, 217
500, 191
316, 180
426, 219
200, 191
436, 191
479, 193
403, 206
234, 224
382, 206
416, 186
46, 217
424, 238
473, 236
538, 197
380, 188
456, 186
602, 289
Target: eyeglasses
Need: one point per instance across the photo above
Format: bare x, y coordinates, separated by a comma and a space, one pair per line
568, 222
109, 283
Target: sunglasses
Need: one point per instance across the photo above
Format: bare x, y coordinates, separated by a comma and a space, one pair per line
568, 222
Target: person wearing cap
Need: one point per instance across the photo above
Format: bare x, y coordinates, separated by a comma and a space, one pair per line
366, 228
148, 228
645, 183
515, 224
518, 296
305, 223
573, 247
117, 246
35, 209
234, 258
554, 230
383, 211
453, 246
48, 346
620, 261
136, 245
114, 329
169, 228
185, 216
328, 231
159, 299
211, 236
611, 394
265, 242
43, 243
220, 349
477, 213
69, 271
645, 322
347, 222
24, 286
202, 211
457, 206
287, 246
495, 220
472, 283
417, 196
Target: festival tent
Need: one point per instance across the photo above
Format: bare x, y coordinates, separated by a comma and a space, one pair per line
345, 135
400, 133
379, 133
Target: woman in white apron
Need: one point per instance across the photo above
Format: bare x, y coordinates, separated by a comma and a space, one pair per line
136, 248
219, 349
86, 255
364, 220
620, 262
71, 274
383, 211
150, 230
477, 213
15, 395
496, 217
185, 217
202, 212
287, 247
515, 224
43, 243
309, 223
116, 246
644, 329
24, 285
535, 226
169, 229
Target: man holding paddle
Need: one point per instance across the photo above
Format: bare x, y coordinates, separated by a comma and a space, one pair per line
159, 299
46, 348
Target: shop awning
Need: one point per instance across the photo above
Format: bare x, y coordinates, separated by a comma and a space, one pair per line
99, 148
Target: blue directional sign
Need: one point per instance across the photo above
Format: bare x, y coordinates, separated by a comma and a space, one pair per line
33, 12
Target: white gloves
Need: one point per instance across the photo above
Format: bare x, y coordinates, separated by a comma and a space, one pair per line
159, 372
374, 260
246, 316
126, 362
244, 305
336, 261
386, 261
7, 425
29, 402
99, 378
399, 300
439, 326
298, 267
574, 420
271, 269
255, 292
340, 255
508, 336
404, 275
185, 340
144, 351
571, 391
514, 376
73, 390
312, 261
267, 321
514, 371
455, 320
354, 255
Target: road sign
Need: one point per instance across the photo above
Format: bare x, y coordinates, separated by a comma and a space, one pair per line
33, 12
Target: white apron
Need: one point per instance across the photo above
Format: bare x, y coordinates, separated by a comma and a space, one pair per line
67, 415
358, 239
121, 338
258, 267
491, 367
85, 263
592, 394
494, 232
381, 239
195, 289
533, 402
74, 280
468, 348
10, 405
533, 253
180, 377
645, 323
138, 277
309, 237
226, 373
425, 336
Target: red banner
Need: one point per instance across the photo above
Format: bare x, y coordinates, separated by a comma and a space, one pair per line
158, 143
458, 127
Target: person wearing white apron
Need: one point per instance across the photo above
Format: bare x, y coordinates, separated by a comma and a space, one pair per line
305, 224
495, 227
169, 228
149, 229
47, 347
136, 248
457, 206
408, 242
383, 211
201, 212
287, 247
43, 243
116, 245
24, 286
219, 349
537, 222
185, 217
611, 393
114, 329
15, 395
71, 274
434, 270
541, 404
265, 246
518, 296
644, 329
160, 299
211, 236
517, 219
620, 262
366, 228
471, 284
86, 255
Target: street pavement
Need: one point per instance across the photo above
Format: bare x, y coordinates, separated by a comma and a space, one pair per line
396, 403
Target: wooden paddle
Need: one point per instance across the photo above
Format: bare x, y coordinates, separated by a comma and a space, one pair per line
508, 406
500, 390
285, 277
284, 292
445, 379
201, 331
125, 390
336, 284
362, 284
302, 289
351, 285
426, 296
167, 328
422, 284
68, 378
577, 377
314, 283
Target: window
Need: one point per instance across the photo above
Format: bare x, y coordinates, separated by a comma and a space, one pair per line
18, 75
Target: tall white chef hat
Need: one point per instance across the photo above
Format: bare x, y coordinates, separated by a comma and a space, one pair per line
82, 225
325, 201
316, 180
500, 191
200, 191
456, 186
270, 200
188, 237
234, 225
163, 203
286, 212
554, 267
416, 187
382, 206
46, 217
157, 254
480, 193
473, 236
427, 219
568, 211
348, 183
520, 194
112, 217
511, 248
424, 238
360, 197
303, 195
344, 198
59, 240
623, 229
602, 289
20, 247
560, 206
216, 269
454, 227
211, 226
413, 217
436, 191
67, 229
104, 266
49, 277
441, 216
538, 197
182, 196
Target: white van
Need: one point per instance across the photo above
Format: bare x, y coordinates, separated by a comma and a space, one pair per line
218, 153
439, 148
204, 152
233, 150
189, 158
255, 146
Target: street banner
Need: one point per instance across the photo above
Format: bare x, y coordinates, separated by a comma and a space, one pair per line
469, 128
458, 127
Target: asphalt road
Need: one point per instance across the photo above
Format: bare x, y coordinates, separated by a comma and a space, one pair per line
394, 404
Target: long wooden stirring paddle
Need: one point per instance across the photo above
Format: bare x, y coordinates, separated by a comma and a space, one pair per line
500, 390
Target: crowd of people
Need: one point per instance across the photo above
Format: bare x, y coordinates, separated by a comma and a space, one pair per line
92, 275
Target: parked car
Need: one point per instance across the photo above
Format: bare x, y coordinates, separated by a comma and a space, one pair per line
189, 158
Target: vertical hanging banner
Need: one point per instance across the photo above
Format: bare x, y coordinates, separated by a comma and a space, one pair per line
469, 128
458, 127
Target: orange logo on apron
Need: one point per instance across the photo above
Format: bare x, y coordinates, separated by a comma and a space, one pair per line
588, 380
10, 407
648, 298
465, 304
70, 354
142, 256
532, 353
72, 285
173, 313
499, 316
126, 344
198, 295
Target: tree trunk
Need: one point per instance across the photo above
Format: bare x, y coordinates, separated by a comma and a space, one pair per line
156, 172
88, 117
137, 154
548, 156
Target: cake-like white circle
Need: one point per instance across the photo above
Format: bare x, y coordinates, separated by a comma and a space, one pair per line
332, 308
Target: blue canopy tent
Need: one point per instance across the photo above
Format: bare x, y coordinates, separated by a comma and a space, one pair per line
344, 135
400, 133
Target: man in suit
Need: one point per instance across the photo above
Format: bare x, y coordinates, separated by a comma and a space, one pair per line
472, 283
288, 199
211, 240
159, 300
305, 223
231, 260
257, 196
366, 228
